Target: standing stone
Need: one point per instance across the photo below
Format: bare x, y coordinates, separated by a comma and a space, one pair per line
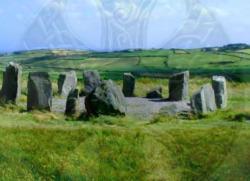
39, 91
155, 93
220, 90
106, 99
128, 85
66, 83
178, 86
198, 102
203, 101
91, 81
11, 89
209, 98
72, 104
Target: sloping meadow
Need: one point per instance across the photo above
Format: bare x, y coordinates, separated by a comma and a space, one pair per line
49, 146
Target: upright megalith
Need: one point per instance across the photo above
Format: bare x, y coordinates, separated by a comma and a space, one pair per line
11, 88
72, 103
106, 99
178, 86
39, 91
128, 85
203, 101
209, 98
67, 82
220, 90
92, 80
198, 103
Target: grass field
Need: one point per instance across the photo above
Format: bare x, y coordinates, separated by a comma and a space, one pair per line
49, 146
234, 64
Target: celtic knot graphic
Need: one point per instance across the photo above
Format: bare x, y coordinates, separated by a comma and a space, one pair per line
125, 23
50, 30
200, 29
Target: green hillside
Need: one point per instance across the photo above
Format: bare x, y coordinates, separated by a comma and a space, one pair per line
50, 146
234, 64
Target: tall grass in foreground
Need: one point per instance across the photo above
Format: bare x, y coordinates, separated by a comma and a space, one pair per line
121, 149
45, 146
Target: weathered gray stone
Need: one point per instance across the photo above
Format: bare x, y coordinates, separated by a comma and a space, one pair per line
39, 92
128, 85
178, 86
209, 98
176, 108
203, 101
66, 83
106, 99
11, 88
220, 90
72, 104
155, 93
198, 102
91, 81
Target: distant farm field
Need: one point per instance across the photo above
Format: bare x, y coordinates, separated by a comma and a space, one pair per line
234, 64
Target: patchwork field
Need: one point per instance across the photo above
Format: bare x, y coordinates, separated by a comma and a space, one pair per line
233, 64
50, 146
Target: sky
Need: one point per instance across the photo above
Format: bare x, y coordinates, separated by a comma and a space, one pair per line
122, 24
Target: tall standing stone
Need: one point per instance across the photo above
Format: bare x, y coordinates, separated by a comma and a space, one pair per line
92, 80
11, 88
39, 92
106, 99
203, 101
178, 86
209, 98
128, 85
220, 90
67, 82
198, 102
72, 104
